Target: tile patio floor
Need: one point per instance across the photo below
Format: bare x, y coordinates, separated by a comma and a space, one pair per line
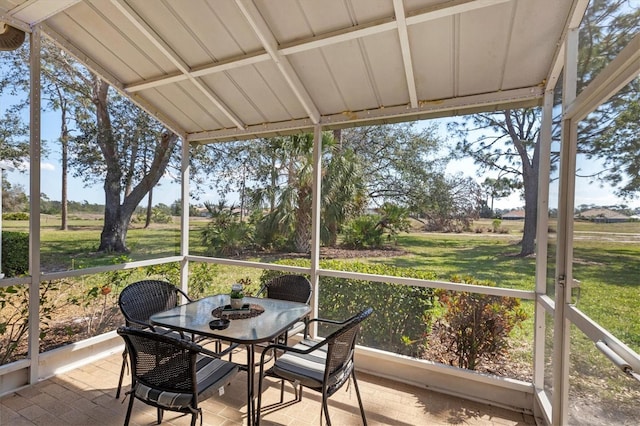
85, 396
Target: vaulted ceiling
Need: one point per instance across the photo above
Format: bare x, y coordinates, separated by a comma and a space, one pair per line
236, 69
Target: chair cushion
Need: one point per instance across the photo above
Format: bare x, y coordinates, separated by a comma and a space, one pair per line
308, 369
211, 374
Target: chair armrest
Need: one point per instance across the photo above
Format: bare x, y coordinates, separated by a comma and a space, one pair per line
286, 348
262, 291
320, 320
185, 295
328, 321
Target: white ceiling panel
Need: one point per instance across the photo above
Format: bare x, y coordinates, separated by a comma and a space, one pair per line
481, 49
434, 63
37, 11
544, 35
386, 68
199, 115
349, 68
280, 90
227, 69
313, 66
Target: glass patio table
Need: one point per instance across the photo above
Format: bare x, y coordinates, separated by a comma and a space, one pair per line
277, 317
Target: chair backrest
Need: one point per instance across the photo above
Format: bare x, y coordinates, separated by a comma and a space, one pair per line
341, 344
294, 288
140, 300
160, 361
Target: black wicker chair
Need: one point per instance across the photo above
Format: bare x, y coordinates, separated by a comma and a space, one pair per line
294, 288
321, 366
138, 301
172, 374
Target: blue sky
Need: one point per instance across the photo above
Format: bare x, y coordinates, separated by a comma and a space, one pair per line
169, 191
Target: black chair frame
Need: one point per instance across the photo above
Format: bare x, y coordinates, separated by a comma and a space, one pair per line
168, 366
294, 288
338, 369
141, 299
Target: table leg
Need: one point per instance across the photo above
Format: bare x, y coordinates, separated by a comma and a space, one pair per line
251, 372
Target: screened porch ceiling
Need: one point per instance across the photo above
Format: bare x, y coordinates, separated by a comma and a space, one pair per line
215, 70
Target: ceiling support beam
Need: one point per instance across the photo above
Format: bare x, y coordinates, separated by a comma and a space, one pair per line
618, 73
33, 12
525, 97
168, 52
316, 42
449, 8
109, 78
575, 17
221, 66
270, 44
403, 34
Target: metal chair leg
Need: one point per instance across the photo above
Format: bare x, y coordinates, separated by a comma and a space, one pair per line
325, 407
355, 384
128, 416
124, 365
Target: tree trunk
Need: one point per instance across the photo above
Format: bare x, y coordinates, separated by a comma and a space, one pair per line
530, 170
147, 220
118, 216
302, 237
530, 217
64, 140
114, 232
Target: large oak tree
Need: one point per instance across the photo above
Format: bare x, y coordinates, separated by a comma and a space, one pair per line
509, 141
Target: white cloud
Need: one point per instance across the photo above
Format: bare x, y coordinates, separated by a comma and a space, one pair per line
47, 166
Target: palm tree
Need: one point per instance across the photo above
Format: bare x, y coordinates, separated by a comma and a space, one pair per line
342, 189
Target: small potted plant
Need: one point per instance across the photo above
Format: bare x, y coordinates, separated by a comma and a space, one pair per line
237, 296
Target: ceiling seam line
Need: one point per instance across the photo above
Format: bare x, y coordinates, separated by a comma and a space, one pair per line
112, 80
327, 39
269, 42
514, 7
133, 17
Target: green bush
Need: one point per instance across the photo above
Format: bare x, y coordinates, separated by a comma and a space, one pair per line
364, 232
158, 215
202, 277
476, 327
402, 314
15, 253
226, 234
15, 216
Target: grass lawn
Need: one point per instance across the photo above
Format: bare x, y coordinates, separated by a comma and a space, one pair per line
607, 260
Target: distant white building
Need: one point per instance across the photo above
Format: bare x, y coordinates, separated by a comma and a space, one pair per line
517, 214
603, 216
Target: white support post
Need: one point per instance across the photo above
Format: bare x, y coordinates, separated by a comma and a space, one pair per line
544, 167
564, 251
184, 218
34, 204
315, 220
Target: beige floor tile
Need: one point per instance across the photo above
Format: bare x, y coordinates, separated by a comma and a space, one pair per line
86, 396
